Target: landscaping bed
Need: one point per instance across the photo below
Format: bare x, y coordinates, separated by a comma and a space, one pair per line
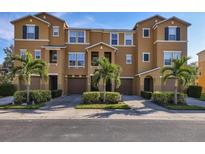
103, 106
13, 106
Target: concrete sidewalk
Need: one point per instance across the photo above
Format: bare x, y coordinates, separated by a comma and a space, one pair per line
63, 108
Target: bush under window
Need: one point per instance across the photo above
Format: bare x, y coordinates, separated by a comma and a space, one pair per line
7, 89
56, 93
194, 91
146, 94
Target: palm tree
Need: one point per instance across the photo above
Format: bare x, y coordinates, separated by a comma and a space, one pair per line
179, 71
27, 67
106, 71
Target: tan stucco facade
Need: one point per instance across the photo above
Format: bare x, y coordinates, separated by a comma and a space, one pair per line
201, 65
99, 41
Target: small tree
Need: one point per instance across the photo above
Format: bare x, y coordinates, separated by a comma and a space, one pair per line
105, 72
179, 71
27, 67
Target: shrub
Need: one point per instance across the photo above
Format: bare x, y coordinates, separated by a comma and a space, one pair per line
56, 93
194, 91
7, 89
112, 97
91, 97
97, 97
168, 97
36, 96
146, 94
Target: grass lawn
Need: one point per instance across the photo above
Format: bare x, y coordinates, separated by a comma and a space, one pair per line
183, 107
35, 106
103, 106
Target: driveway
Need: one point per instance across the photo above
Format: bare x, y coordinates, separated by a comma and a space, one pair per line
193, 101
64, 108
6, 100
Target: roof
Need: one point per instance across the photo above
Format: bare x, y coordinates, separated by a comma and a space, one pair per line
30, 16
102, 29
155, 16
52, 16
145, 72
201, 52
173, 18
102, 44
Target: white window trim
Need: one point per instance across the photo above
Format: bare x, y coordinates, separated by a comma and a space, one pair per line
58, 31
37, 50
172, 55
76, 37
31, 25
126, 59
117, 38
143, 32
175, 32
125, 38
143, 57
76, 66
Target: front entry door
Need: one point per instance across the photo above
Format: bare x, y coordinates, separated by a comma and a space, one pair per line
53, 82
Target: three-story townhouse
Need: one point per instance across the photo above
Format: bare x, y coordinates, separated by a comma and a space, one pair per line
71, 53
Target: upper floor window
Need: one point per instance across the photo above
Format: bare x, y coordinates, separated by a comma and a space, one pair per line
53, 56
146, 32
128, 58
128, 38
77, 37
30, 32
23, 53
76, 59
146, 56
172, 33
94, 58
37, 54
170, 55
56, 31
114, 38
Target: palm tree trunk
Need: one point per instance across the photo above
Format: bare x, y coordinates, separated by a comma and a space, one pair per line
104, 90
28, 91
175, 90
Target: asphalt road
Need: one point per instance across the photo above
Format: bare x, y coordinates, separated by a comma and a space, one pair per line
101, 130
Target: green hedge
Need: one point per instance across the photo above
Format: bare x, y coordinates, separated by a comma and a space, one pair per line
168, 97
97, 97
56, 93
7, 89
194, 91
36, 96
146, 94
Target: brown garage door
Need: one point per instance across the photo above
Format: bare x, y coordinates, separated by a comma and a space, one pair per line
76, 85
35, 83
126, 87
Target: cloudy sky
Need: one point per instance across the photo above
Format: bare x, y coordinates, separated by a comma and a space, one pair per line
196, 35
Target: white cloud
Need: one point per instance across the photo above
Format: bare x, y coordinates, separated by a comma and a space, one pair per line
87, 20
6, 30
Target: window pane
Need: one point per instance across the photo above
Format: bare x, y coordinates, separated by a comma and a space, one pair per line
94, 57
31, 32
128, 42
73, 36
72, 59
172, 33
37, 55
128, 39
81, 59
53, 56
176, 55
114, 39
146, 33
81, 37
167, 58
128, 59
56, 31
146, 57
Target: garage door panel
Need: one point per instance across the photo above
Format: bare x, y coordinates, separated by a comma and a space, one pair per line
126, 86
76, 85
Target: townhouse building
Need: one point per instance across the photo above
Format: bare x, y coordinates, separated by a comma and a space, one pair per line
71, 53
201, 65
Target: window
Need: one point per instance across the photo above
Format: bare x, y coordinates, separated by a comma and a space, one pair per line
114, 38
146, 57
23, 53
77, 37
30, 32
37, 54
146, 32
56, 31
94, 58
172, 33
128, 58
53, 56
76, 59
128, 39
170, 55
